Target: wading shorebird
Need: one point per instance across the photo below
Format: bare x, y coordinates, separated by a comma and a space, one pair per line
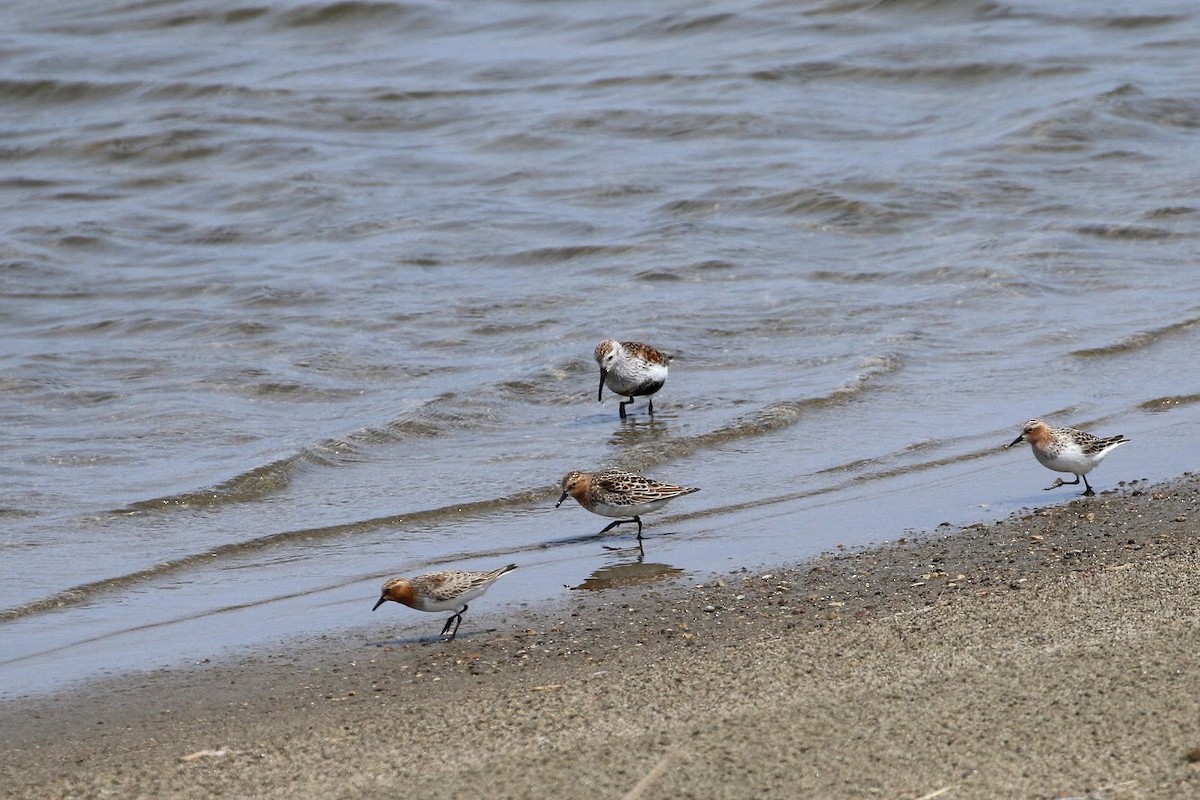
1067, 450
616, 493
631, 369
441, 591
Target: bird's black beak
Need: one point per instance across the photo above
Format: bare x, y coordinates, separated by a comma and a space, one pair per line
378, 603
560, 500
600, 394
1017, 440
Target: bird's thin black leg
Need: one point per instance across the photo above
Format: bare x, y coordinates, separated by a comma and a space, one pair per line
1060, 482
623, 404
1090, 491
622, 522
456, 618
650, 400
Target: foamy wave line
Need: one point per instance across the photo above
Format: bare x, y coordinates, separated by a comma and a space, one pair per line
250, 485
1138, 341
267, 479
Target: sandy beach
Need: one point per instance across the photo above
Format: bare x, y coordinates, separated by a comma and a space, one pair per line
1053, 654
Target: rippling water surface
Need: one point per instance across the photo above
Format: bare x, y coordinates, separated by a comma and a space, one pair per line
297, 296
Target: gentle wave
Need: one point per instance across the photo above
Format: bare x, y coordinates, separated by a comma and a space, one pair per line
859, 474
967, 73
683, 25
177, 91
560, 255
427, 421
1160, 404
1137, 232
349, 12
253, 484
772, 418
833, 209
1138, 341
1129, 102
55, 92
343, 12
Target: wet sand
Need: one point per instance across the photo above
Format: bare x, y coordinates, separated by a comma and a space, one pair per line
1054, 654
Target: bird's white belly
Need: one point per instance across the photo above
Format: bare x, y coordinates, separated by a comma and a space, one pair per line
452, 604
1076, 463
606, 510
629, 381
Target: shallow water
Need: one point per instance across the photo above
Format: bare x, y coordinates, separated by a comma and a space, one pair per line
297, 296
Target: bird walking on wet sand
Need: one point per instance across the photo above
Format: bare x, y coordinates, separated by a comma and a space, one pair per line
1067, 450
441, 591
631, 369
616, 493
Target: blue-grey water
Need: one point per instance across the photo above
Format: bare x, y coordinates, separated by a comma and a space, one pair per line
296, 296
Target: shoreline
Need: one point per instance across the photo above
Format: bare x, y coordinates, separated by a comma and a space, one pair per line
1053, 653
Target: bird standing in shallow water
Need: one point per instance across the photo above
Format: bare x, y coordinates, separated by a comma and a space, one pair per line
631, 369
1067, 450
441, 591
616, 493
